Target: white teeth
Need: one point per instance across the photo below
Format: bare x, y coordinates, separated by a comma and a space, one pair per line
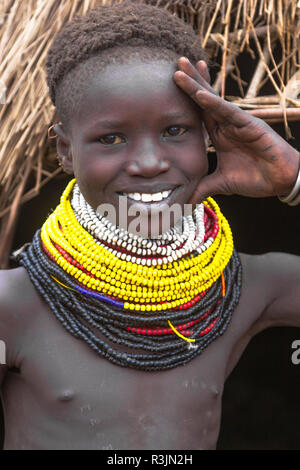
159, 196
147, 197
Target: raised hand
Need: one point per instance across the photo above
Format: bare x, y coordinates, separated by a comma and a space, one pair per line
253, 160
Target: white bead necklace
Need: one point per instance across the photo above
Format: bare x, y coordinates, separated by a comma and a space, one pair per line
106, 228
166, 246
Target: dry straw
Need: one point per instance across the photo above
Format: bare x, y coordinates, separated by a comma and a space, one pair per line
227, 28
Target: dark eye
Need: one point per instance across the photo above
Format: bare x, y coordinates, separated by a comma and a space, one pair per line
174, 131
111, 139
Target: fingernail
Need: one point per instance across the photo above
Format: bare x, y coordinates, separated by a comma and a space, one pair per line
179, 74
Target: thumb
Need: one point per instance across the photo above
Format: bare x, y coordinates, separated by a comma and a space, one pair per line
208, 186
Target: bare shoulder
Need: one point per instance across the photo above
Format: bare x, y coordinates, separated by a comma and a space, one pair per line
256, 292
273, 279
15, 286
272, 265
276, 271
17, 299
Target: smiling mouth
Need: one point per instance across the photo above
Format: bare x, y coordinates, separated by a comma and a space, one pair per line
149, 197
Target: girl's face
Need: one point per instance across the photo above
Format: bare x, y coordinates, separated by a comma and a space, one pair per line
136, 132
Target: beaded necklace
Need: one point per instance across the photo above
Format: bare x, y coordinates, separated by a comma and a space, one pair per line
162, 301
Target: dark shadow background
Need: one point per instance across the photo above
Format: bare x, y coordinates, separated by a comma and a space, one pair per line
261, 405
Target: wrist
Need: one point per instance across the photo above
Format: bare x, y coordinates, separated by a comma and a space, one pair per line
292, 195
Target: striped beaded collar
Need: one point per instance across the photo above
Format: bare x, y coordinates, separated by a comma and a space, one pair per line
164, 300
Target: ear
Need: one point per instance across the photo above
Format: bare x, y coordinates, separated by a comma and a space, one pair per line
64, 149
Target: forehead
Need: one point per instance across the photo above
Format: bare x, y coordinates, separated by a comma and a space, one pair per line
134, 87
134, 78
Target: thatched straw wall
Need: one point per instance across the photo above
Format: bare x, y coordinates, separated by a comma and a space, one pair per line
227, 28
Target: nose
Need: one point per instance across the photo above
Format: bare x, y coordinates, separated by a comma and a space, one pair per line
148, 160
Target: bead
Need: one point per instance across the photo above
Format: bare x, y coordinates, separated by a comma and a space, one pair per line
85, 255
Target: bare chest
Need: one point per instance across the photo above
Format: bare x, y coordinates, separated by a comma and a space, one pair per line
66, 396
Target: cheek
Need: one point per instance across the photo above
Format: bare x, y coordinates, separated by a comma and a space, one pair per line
195, 162
94, 175
96, 172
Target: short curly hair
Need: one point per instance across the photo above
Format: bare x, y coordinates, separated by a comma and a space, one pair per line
113, 27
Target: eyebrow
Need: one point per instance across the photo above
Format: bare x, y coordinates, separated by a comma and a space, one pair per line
176, 115
111, 123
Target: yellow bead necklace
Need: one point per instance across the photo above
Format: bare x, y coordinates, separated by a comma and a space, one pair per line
142, 288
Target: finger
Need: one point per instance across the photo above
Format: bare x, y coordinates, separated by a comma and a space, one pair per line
186, 66
188, 84
220, 110
180, 79
202, 68
210, 124
208, 186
